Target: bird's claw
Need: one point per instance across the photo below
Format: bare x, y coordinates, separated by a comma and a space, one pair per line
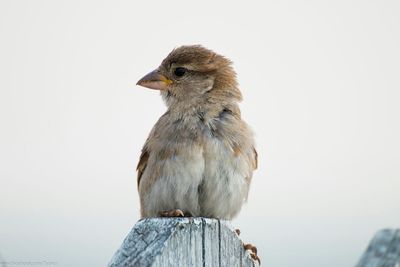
253, 252
172, 213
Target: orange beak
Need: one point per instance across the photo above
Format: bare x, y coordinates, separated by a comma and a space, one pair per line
155, 80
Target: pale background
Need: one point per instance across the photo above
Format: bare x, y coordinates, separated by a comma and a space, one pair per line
321, 90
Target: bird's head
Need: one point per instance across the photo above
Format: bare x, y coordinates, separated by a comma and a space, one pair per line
193, 73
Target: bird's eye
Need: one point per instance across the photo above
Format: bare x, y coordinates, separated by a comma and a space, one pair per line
180, 71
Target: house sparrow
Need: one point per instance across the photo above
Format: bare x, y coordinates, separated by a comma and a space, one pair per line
199, 157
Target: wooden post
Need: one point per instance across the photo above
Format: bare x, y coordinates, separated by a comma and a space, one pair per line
383, 250
162, 242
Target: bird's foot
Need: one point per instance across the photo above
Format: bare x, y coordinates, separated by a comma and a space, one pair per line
172, 213
253, 252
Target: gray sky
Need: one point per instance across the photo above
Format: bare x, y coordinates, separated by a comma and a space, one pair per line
321, 90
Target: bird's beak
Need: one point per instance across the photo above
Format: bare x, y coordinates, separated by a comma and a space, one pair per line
155, 80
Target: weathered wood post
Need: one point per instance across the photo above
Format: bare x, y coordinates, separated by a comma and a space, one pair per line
383, 250
162, 242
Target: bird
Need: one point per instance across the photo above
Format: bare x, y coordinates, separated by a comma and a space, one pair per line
199, 157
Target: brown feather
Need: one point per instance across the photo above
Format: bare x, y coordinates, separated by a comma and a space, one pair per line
255, 159
142, 164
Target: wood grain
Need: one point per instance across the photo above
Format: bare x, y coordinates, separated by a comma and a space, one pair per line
163, 242
383, 250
